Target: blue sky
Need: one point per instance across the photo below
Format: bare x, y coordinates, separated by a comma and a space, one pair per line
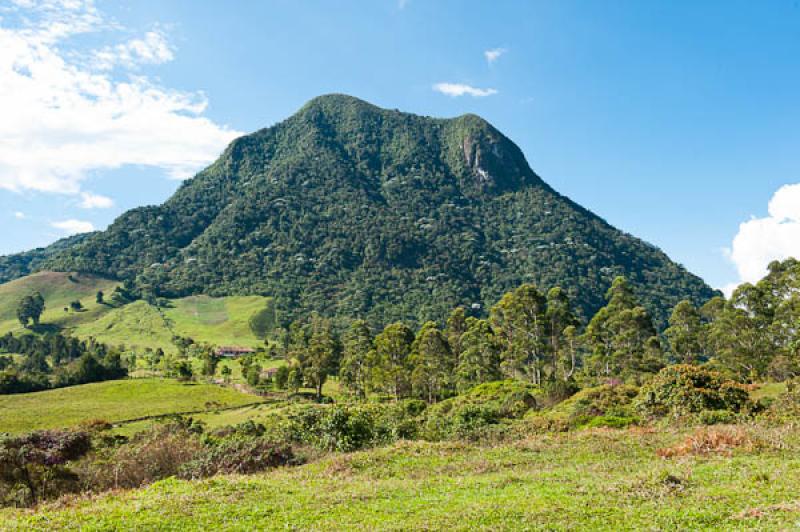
678, 122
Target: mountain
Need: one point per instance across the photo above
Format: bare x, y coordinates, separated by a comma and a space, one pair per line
357, 211
22, 264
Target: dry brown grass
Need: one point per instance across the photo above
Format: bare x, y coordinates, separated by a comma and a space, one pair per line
713, 440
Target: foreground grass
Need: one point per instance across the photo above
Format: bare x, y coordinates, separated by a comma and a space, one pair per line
112, 401
598, 480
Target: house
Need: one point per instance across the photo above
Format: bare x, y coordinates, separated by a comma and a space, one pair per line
230, 351
269, 373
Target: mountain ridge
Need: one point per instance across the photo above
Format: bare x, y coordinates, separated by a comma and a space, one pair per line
353, 210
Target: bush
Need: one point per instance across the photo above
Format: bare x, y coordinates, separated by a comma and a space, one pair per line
610, 404
684, 389
151, 455
33, 467
348, 428
242, 455
481, 412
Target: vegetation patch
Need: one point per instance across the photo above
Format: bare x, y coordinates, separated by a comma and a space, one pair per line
686, 389
714, 440
112, 401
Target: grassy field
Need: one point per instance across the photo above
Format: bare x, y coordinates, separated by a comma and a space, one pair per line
218, 321
111, 401
137, 325
589, 480
58, 290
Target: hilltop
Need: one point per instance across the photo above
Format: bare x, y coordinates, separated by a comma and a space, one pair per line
353, 210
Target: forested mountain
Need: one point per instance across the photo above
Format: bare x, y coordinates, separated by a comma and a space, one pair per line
357, 211
22, 264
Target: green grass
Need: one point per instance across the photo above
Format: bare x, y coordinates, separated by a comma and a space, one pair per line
589, 480
111, 401
768, 390
218, 321
137, 326
58, 290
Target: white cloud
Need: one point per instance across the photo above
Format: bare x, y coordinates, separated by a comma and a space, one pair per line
152, 49
460, 89
73, 227
90, 200
19, 215
774, 237
494, 54
66, 114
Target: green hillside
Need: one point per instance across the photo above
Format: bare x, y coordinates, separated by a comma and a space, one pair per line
218, 321
58, 290
138, 325
353, 210
111, 401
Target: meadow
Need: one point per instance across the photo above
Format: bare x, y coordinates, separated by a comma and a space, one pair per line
137, 326
599, 479
59, 290
114, 402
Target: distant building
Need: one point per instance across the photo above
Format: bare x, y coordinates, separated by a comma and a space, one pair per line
232, 351
269, 373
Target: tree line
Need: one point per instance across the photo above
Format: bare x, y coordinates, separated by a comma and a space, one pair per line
538, 338
55, 361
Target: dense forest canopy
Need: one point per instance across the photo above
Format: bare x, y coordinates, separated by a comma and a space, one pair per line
351, 210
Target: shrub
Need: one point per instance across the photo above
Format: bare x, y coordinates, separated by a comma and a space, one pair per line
348, 428
610, 404
242, 455
34, 466
482, 412
684, 389
151, 455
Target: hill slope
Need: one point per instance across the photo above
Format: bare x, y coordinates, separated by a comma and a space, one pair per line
58, 290
353, 210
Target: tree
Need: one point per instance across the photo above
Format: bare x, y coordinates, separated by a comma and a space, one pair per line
282, 377
392, 349
619, 334
253, 375
322, 357
520, 321
30, 308
432, 363
356, 370
456, 326
480, 355
183, 370
76, 306
100, 297
226, 373
560, 317
570, 349
210, 362
684, 332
